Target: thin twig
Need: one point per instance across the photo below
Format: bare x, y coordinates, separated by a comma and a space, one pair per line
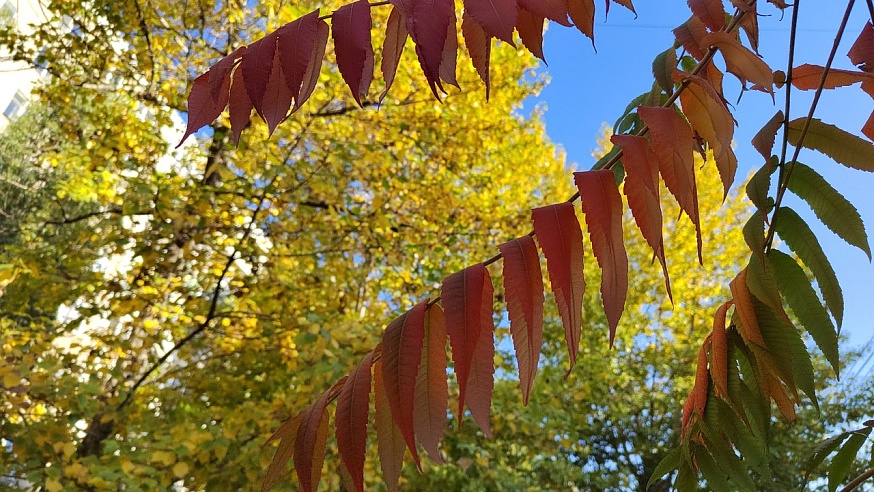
864, 476
793, 31
784, 185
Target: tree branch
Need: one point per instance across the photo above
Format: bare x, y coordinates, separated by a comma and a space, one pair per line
859, 480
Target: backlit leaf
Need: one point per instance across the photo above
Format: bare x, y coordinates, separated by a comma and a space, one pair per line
602, 207
351, 417
740, 61
582, 13
239, 107
428, 22
845, 148
669, 463
822, 450
691, 36
862, 51
523, 288
841, 464
295, 47
663, 67
788, 350
479, 45
807, 77
559, 235
481, 382
257, 65
743, 306
392, 48
719, 351
757, 190
220, 71
202, 109
764, 139
450, 54
389, 440
287, 434
496, 17
710, 12
309, 446
530, 27
554, 10
350, 28
311, 77
432, 393
277, 96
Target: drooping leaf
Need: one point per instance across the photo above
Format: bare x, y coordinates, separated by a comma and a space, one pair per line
523, 287
295, 47
432, 393
582, 13
762, 282
757, 190
481, 381
428, 22
711, 119
669, 463
801, 298
749, 22
311, 77
287, 434
467, 304
754, 235
496, 17
309, 445
389, 440
663, 67
801, 240
845, 148
841, 464
702, 381
778, 393
239, 106
672, 143
642, 190
479, 45
740, 61
862, 51
625, 3
350, 28
202, 108
450, 54
277, 96
788, 350
220, 71
710, 12
401, 355
821, 452
719, 351
743, 306
764, 139
807, 77
351, 417
717, 479
554, 10
559, 235
392, 48
602, 207
835, 211
257, 65
691, 36
868, 129
530, 27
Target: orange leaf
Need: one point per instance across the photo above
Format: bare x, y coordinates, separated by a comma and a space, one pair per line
239, 107
558, 232
862, 51
743, 305
287, 434
642, 190
582, 13
202, 108
778, 393
691, 35
401, 355
625, 3
710, 12
749, 22
688, 406
496, 17
315, 67
808, 77
702, 380
602, 207
309, 446
432, 394
763, 141
711, 120
389, 440
868, 129
479, 45
523, 286
353, 405
350, 27
530, 27
719, 351
672, 143
467, 303
742, 62
392, 48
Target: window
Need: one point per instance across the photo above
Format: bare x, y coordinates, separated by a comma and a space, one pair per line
16, 106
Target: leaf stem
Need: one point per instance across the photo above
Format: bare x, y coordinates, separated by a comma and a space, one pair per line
861, 478
792, 33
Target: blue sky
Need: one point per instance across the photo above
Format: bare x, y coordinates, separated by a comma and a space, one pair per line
588, 89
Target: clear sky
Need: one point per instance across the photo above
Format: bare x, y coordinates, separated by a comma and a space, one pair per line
588, 89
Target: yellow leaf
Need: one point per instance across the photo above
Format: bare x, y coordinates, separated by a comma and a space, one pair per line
10, 380
54, 485
180, 470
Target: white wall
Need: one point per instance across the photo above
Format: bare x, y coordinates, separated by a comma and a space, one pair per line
18, 76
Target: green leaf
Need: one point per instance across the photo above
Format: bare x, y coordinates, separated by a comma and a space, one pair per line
669, 463
663, 68
715, 476
757, 189
821, 451
802, 299
754, 235
762, 282
835, 211
687, 478
843, 461
801, 240
845, 148
750, 448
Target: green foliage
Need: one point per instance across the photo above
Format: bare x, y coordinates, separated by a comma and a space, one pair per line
842, 146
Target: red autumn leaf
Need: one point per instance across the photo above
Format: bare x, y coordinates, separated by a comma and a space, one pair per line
350, 28
428, 22
710, 12
554, 10
481, 382
702, 380
582, 13
202, 109
625, 3
710, 118
781, 399
687, 412
287, 434
309, 445
392, 48
479, 45
672, 143
742, 62
530, 27
257, 65
743, 306
808, 77
868, 129
749, 22
240, 106
295, 46
523, 288
496, 17
450, 54
691, 35
642, 189
432, 393
467, 304
763, 141
353, 405
277, 96
558, 232
315, 67
719, 351
389, 440
602, 207
862, 51
712, 74
401, 355
221, 71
